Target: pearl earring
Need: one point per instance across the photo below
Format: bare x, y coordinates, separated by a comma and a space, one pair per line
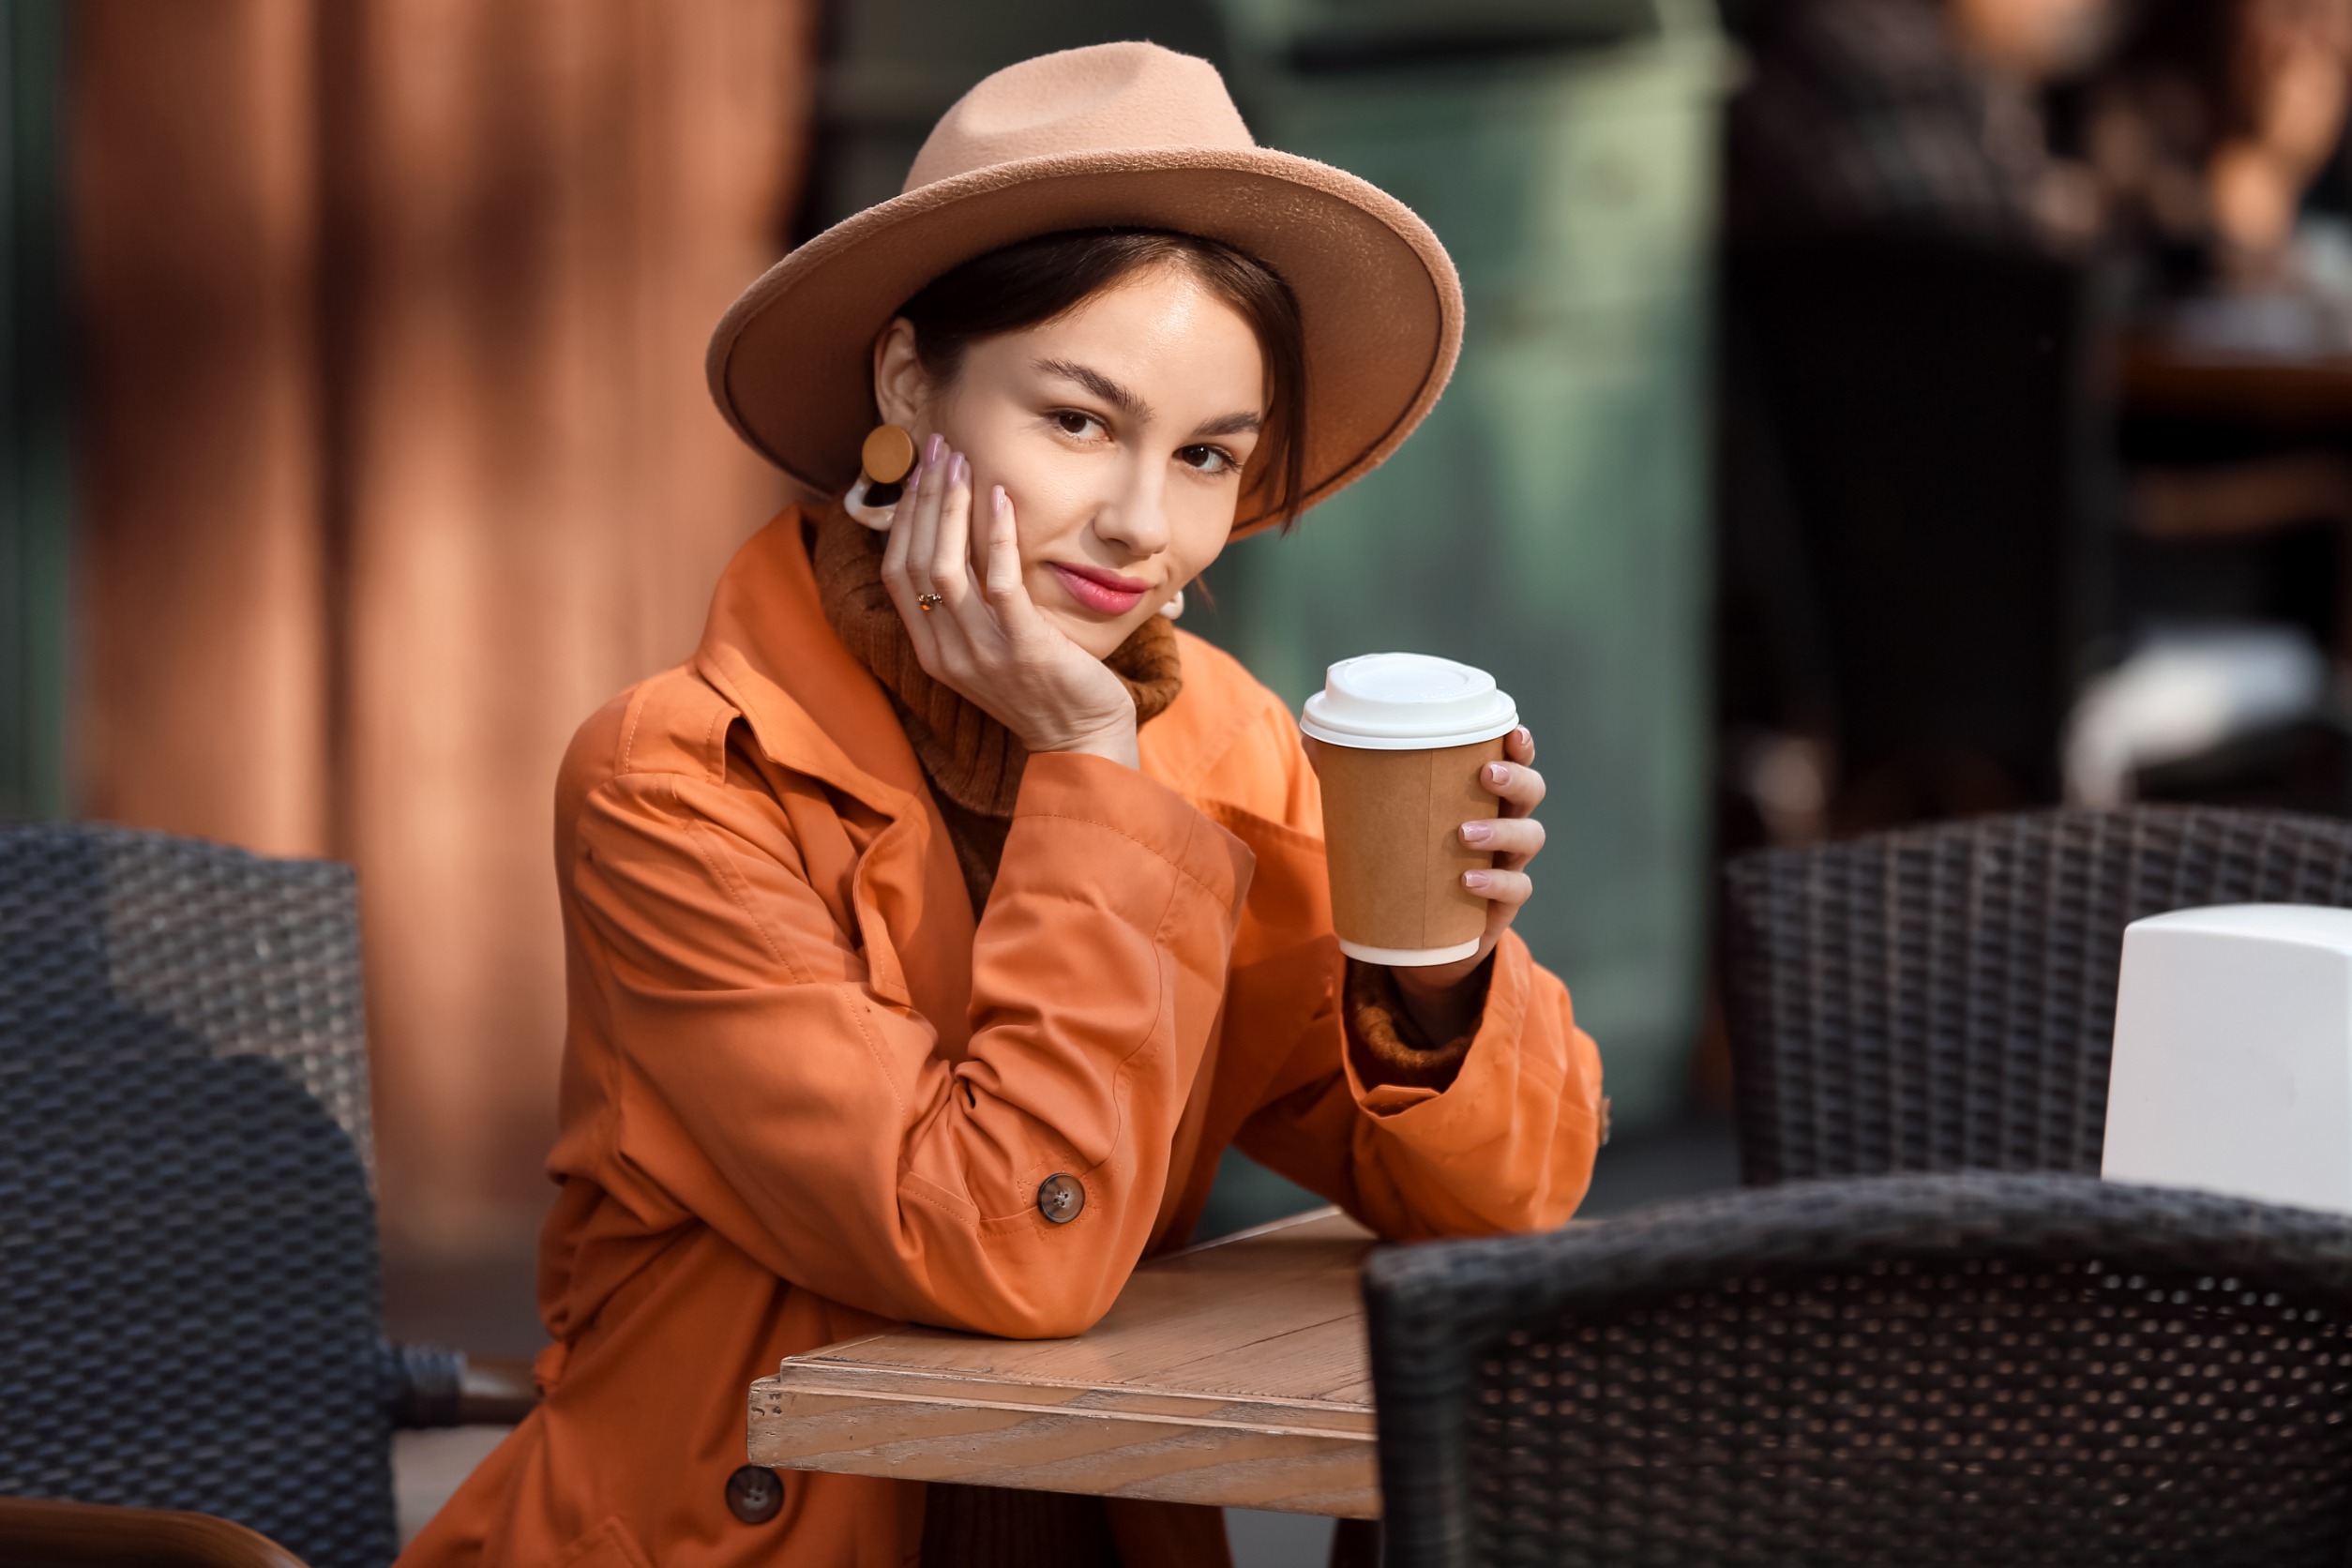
884, 461
1175, 606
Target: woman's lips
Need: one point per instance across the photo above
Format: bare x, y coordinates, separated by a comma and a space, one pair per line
1104, 593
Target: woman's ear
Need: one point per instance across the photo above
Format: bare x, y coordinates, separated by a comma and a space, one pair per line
901, 389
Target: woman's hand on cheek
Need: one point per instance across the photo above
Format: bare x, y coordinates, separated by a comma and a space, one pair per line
1443, 1000
982, 635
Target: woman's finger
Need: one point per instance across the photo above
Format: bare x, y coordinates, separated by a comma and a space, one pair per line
918, 514
950, 569
1007, 595
1519, 788
1515, 840
904, 570
1508, 888
984, 554
1519, 746
967, 617
1001, 556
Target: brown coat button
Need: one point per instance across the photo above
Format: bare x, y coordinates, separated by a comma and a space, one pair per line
754, 1494
1061, 1197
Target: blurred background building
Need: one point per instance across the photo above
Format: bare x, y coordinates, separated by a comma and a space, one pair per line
1871, 410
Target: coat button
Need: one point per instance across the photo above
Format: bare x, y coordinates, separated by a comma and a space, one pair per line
1061, 1197
754, 1494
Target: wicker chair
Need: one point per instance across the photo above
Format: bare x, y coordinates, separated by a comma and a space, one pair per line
1943, 998
1954, 1371
190, 1319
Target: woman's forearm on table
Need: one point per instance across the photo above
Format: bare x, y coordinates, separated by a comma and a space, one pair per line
813, 1117
1505, 1142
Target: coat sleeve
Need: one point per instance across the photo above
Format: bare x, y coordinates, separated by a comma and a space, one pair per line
774, 1090
1507, 1146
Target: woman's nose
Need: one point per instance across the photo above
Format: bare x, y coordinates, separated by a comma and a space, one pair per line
1136, 518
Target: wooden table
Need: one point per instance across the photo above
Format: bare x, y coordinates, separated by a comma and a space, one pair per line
1233, 1373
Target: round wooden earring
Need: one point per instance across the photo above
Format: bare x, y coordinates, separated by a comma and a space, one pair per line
888, 455
884, 460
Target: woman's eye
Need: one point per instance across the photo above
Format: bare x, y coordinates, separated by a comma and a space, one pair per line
1208, 460
1071, 423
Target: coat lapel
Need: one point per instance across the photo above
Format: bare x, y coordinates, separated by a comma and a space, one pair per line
814, 709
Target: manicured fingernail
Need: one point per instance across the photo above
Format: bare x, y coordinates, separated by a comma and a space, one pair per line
996, 497
932, 448
1474, 879
1496, 773
1477, 832
1525, 739
958, 470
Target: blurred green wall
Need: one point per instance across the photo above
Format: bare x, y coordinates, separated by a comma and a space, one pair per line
1548, 521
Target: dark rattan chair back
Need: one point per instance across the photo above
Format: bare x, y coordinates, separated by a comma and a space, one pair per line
1942, 998
1970, 1371
189, 1307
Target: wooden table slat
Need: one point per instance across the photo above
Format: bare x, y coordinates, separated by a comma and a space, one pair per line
1233, 1373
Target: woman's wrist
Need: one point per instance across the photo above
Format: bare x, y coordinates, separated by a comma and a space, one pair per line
1444, 1009
1385, 1040
1114, 742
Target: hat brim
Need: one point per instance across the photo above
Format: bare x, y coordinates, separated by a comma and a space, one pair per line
790, 364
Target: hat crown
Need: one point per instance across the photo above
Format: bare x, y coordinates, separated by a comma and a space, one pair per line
1107, 98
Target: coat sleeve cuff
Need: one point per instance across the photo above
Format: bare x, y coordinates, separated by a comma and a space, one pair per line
1060, 786
1462, 1115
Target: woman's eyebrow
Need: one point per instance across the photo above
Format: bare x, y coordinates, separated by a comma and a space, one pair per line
1101, 386
1231, 424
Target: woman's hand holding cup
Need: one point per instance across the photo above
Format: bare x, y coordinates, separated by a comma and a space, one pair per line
1443, 1004
1429, 795
975, 626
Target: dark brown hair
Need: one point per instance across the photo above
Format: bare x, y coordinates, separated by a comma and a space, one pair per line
1035, 280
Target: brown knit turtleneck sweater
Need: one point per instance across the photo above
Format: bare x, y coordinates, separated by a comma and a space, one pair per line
973, 762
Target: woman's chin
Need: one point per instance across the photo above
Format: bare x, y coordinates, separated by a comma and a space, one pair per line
1099, 635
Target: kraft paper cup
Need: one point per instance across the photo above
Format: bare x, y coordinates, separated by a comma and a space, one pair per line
1400, 740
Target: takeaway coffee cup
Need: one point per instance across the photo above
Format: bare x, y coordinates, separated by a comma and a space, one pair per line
1400, 740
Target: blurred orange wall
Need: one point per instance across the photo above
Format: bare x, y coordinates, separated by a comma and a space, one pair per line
398, 461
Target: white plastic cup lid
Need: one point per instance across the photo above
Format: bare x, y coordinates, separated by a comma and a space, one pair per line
1406, 703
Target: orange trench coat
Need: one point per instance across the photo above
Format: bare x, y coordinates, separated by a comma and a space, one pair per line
806, 1093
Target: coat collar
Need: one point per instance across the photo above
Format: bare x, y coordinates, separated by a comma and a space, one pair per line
811, 706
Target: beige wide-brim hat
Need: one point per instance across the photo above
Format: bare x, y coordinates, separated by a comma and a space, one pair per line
1124, 135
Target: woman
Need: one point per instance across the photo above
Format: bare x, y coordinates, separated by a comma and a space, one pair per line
933, 930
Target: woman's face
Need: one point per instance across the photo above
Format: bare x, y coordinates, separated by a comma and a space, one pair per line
1119, 433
